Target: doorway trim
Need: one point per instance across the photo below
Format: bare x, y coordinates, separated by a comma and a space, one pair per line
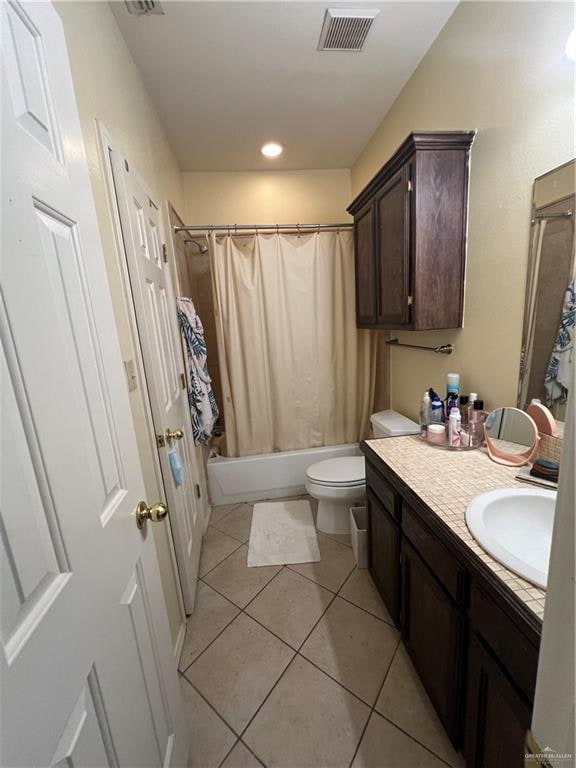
107, 144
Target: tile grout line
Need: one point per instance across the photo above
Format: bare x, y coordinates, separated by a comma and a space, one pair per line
225, 558
373, 711
413, 738
373, 707
212, 707
240, 610
297, 653
268, 694
227, 755
350, 602
183, 671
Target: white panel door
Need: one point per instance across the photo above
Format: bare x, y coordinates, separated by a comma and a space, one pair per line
155, 308
87, 671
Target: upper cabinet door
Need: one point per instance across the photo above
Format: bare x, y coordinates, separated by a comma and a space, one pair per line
365, 266
392, 206
410, 223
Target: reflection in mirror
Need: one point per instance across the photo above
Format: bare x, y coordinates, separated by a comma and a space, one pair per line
548, 334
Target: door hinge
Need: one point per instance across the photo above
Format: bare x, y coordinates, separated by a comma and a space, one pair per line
165, 253
160, 441
409, 300
197, 491
409, 185
183, 380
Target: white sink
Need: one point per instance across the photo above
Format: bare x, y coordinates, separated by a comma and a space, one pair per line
514, 525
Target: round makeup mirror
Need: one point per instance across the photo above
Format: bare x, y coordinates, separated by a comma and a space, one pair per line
511, 436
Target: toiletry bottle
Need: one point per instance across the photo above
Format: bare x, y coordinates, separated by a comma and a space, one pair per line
477, 414
476, 418
452, 392
436, 411
425, 415
464, 409
451, 402
471, 398
454, 427
453, 384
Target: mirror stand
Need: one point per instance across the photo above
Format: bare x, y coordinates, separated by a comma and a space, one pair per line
506, 457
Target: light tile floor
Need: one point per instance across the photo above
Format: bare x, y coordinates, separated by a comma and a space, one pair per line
299, 666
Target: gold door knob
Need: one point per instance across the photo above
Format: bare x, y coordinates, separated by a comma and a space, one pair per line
176, 435
156, 513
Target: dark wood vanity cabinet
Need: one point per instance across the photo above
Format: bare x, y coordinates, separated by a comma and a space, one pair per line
497, 715
410, 235
473, 643
433, 632
384, 554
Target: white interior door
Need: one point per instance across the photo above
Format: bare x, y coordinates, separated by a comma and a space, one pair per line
88, 676
155, 307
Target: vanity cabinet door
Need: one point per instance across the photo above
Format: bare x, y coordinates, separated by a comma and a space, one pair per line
433, 631
497, 717
392, 206
365, 268
384, 556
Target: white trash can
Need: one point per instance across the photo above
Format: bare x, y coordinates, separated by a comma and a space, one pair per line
359, 535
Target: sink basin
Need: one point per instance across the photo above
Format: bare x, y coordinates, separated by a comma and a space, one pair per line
514, 525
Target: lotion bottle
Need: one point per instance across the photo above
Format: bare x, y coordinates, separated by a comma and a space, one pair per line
425, 415
454, 426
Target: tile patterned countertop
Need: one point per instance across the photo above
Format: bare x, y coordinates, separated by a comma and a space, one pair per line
447, 481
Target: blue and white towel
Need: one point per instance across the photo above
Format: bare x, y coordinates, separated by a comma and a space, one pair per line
557, 380
203, 407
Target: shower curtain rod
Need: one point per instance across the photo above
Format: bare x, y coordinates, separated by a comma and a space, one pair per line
234, 228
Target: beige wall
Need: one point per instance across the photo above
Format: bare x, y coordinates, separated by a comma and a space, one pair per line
109, 88
267, 197
500, 68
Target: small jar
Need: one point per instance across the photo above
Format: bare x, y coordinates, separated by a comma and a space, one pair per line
436, 434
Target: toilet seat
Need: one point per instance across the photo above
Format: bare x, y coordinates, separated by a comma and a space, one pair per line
344, 472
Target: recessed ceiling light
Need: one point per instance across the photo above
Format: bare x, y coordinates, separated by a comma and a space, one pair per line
271, 149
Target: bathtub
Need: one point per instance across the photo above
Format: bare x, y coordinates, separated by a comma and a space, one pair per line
268, 475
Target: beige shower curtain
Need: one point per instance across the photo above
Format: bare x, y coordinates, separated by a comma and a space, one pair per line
296, 373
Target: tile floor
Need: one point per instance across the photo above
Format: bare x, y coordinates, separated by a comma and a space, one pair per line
299, 666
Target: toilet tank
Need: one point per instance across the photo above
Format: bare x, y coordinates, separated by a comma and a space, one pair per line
392, 424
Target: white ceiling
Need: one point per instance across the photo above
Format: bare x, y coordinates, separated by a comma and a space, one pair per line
228, 76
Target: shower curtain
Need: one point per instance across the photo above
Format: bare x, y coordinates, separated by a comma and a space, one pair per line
296, 373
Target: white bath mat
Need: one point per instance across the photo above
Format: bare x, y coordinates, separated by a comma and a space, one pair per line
282, 532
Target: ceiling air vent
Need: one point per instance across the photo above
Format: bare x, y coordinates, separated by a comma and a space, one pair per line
144, 7
345, 29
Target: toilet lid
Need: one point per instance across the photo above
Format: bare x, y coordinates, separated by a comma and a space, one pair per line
348, 470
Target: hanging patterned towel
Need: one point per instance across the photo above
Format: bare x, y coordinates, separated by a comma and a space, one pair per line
203, 407
557, 378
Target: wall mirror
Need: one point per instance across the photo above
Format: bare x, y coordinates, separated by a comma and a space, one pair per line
511, 436
548, 332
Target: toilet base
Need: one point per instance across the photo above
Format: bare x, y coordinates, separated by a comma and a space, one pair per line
334, 516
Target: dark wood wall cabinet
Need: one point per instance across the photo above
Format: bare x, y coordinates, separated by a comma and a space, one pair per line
410, 235
473, 642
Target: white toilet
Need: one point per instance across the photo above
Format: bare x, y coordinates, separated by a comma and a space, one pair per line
340, 483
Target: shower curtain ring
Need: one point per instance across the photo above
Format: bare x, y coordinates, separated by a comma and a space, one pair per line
298, 228
277, 229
